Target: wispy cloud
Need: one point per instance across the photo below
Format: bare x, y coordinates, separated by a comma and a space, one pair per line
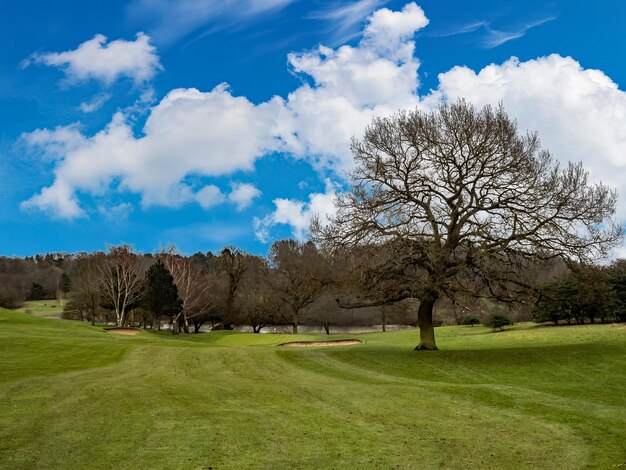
495, 37
171, 20
490, 36
457, 29
95, 103
345, 21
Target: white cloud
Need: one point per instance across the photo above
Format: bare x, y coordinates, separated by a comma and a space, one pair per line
489, 35
392, 31
298, 214
215, 133
56, 143
171, 20
210, 196
58, 200
579, 114
106, 62
188, 132
95, 103
243, 194
375, 78
496, 37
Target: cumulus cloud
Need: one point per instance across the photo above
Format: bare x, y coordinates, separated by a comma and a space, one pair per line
96, 59
210, 196
190, 132
243, 194
580, 114
298, 214
58, 200
375, 78
54, 144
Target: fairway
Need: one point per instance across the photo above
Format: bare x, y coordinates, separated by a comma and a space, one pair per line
72, 396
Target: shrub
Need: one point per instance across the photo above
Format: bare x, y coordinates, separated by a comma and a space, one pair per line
469, 320
497, 322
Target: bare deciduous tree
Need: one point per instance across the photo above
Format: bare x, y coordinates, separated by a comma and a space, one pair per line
234, 264
86, 288
459, 199
300, 275
121, 274
257, 304
195, 287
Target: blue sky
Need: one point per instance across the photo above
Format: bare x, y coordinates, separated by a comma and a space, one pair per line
205, 123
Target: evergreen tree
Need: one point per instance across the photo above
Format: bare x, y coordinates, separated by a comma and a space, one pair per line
161, 295
37, 292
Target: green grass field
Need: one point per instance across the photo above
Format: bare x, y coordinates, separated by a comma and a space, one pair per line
72, 396
43, 308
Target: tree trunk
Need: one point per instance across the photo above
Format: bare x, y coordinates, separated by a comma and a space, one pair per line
295, 324
425, 322
327, 327
186, 323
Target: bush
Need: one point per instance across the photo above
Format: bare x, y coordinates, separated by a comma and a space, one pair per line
469, 320
497, 322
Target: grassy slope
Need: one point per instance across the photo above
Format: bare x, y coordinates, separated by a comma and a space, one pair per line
43, 308
72, 396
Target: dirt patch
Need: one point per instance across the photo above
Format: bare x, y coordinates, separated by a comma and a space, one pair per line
123, 331
306, 344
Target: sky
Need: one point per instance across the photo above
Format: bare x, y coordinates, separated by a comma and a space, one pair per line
206, 123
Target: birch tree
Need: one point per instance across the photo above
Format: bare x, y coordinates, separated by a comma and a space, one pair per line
121, 275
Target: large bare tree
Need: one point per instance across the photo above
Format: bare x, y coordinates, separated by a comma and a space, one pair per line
457, 198
121, 274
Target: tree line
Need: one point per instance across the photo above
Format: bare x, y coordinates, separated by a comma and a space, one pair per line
295, 284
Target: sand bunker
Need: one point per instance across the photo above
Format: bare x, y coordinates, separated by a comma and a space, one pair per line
337, 342
123, 331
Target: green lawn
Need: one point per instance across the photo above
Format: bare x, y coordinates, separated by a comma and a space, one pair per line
43, 308
72, 396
